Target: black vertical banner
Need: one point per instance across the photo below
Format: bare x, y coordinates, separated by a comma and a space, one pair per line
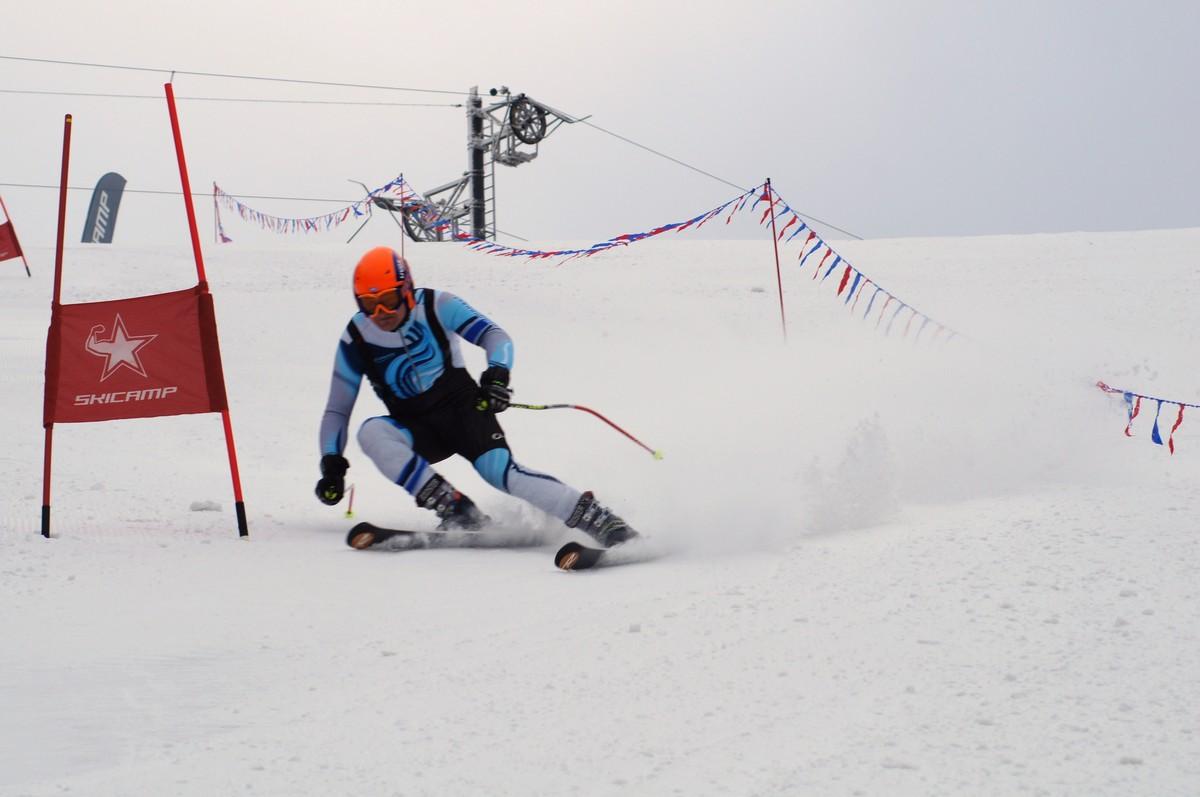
102, 214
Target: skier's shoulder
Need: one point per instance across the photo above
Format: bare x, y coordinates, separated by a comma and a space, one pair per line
449, 306
454, 311
439, 297
355, 328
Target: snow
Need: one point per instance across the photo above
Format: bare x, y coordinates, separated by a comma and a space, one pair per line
889, 567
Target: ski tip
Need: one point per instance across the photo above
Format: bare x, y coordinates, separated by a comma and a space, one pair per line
361, 536
574, 556
567, 556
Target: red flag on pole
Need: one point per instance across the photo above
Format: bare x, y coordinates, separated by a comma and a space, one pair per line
9, 246
133, 358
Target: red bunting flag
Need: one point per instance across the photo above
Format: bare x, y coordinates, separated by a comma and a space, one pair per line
882, 310
821, 265
845, 279
1137, 407
1178, 422
863, 290
803, 246
795, 219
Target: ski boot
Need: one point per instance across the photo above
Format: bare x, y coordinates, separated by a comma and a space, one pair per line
599, 522
456, 511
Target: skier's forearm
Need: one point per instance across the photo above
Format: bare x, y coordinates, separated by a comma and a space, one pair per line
499, 347
334, 426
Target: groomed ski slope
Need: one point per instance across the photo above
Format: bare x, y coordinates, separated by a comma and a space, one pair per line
892, 567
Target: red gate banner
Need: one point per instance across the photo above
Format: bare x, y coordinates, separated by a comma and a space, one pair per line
133, 358
10, 247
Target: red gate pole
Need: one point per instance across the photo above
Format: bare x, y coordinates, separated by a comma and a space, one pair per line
52, 341
239, 504
187, 187
14, 235
775, 242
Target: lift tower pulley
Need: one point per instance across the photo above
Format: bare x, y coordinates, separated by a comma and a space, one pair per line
507, 132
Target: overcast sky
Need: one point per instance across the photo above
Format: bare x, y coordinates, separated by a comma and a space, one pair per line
915, 118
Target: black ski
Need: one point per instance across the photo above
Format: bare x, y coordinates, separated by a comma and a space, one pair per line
574, 556
367, 536
579, 556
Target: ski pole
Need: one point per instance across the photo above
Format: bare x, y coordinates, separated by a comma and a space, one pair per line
654, 452
350, 508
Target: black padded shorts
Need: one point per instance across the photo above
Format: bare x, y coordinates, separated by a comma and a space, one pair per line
455, 428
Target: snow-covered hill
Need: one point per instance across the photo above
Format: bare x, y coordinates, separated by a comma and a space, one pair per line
893, 567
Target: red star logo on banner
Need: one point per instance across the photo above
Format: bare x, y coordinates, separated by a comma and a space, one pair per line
119, 350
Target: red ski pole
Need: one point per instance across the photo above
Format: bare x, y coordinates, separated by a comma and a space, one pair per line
654, 452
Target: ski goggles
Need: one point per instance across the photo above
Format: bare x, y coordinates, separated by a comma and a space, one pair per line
388, 301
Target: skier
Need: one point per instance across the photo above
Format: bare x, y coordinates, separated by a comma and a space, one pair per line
405, 341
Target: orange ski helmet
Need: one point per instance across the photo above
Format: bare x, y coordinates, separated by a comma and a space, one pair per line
383, 282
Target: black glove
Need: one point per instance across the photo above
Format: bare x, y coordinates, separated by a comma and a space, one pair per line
332, 485
494, 394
